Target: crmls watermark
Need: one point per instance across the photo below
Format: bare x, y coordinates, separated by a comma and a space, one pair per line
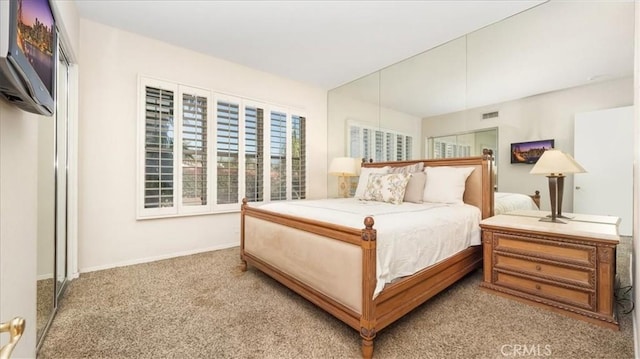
530, 350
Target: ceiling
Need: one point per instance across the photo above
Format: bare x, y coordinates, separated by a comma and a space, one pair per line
321, 43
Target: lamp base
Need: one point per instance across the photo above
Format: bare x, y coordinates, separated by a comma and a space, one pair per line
549, 219
560, 216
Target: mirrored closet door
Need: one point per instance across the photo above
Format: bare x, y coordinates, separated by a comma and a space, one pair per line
53, 170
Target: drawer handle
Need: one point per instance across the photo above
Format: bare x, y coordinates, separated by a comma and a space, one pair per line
538, 286
538, 267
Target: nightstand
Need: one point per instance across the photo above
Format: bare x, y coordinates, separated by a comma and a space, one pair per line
567, 267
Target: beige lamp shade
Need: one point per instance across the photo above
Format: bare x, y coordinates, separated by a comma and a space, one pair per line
555, 162
344, 166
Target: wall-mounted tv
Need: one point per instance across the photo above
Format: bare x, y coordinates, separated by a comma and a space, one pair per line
529, 152
28, 55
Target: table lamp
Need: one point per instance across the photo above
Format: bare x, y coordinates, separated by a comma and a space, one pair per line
344, 167
555, 165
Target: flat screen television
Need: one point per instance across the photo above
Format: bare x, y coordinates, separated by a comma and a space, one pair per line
28, 55
529, 152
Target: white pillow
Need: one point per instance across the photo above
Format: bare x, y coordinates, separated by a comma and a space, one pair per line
445, 184
364, 178
386, 187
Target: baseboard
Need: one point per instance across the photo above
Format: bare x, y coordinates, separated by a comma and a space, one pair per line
44, 276
158, 258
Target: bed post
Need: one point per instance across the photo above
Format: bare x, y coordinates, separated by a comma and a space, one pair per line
368, 320
243, 262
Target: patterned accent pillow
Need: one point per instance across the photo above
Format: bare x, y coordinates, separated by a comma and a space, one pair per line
386, 187
416, 167
364, 179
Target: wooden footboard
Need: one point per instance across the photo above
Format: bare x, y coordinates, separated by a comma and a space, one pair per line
334, 267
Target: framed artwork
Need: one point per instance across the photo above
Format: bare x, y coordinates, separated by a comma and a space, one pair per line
529, 152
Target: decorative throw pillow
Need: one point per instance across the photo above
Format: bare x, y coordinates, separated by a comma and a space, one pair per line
415, 187
416, 167
445, 184
364, 178
387, 187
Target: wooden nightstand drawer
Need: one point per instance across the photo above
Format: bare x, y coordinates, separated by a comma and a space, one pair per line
572, 296
541, 248
583, 277
566, 267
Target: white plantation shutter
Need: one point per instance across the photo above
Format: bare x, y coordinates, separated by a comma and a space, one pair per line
227, 145
366, 144
399, 147
389, 147
298, 158
379, 146
355, 142
159, 159
278, 151
254, 154
194, 150
408, 147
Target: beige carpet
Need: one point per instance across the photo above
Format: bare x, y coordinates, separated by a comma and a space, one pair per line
203, 306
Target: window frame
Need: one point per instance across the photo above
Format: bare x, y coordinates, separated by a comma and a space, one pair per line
212, 98
208, 206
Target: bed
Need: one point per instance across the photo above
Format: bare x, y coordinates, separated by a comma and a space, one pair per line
506, 202
335, 265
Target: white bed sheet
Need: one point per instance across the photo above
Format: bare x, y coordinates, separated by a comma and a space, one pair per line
506, 202
410, 236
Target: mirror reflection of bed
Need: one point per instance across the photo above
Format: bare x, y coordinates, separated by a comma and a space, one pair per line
505, 202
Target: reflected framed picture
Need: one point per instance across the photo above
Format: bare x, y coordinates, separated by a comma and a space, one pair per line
529, 152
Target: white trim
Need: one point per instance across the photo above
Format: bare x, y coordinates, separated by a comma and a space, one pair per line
72, 179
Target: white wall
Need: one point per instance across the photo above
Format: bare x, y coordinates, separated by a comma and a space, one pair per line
545, 116
109, 234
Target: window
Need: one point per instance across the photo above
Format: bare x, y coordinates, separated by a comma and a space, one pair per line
462, 145
384, 145
181, 171
253, 152
228, 149
298, 158
159, 163
194, 150
278, 156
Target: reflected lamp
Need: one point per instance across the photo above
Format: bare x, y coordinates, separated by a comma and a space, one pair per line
555, 164
344, 167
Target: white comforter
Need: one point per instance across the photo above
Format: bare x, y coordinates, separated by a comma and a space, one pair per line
410, 236
506, 202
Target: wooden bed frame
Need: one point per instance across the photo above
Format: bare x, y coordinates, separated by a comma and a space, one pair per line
536, 198
397, 298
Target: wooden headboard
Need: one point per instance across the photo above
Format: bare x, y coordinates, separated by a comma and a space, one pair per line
479, 186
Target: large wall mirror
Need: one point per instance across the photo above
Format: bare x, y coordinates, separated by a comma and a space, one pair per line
524, 78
